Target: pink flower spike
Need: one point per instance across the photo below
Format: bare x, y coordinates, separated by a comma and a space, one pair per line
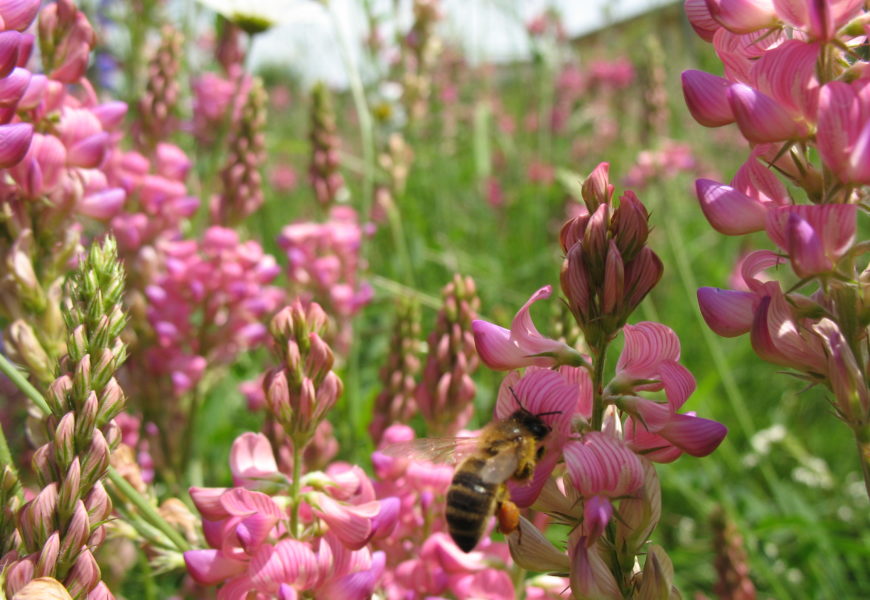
209, 567
694, 435
252, 459
522, 346
743, 16
729, 211
728, 313
707, 98
14, 143
761, 118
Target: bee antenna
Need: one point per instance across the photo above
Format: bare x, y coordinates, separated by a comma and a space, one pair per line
550, 412
517, 398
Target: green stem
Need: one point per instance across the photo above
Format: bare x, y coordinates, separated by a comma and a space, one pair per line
598, 359
17, 377
146, 509
295, 487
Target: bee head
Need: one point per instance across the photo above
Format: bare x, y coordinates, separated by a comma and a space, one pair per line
533, 423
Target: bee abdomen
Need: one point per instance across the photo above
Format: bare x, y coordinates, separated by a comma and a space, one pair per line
470, 501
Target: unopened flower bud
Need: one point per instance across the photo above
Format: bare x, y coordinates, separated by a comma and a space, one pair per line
86, 419
98, 503
320, 358
114, 435
47, 561
278, 395
37, 520
597, 189
77, 343
70, 490
82, 380
658, 574
614, 281
64, 441
96, 460
112, 402
43, 465
630, 225
58, 395
19, 265
19, 574
84, 575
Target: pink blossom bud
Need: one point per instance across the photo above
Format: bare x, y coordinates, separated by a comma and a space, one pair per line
13, 86
98, 503
19, 574
532, 550
277, 393
743, 16
58, 394
590, 575
76, 534
572, 232
70, 489
24, 346
110, 114
86, 418
84, 575
48, 554
96, 460
38, 517
630, 225
43, 465
851, 395
320, 358
82, 388
729, 313
112, 402
639, 514
575, 282
597, 188
658, 573
613, 290
64, 441
641, 275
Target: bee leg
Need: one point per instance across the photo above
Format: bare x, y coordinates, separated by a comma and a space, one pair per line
508, 516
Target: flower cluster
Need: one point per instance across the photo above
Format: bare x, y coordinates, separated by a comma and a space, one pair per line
798, 92
255, 547
323, 265
606, 432
207, 303
323, 173
446, 392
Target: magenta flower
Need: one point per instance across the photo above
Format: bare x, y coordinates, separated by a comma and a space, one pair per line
356, 525
681, 433
522, 345
815, 237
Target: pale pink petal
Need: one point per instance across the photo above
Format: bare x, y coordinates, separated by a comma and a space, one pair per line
355, 586
251, 458
590, 575
777, 338
678, 381
102, 205
493, 584
207, 502
351, 524
289, 561
729, 313
700, 19
759, 182
601, 465
208, 567
14, 143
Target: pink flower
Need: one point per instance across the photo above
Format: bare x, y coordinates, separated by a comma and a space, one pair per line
522, 345
815, 237
356, 525
251, 460
681, 433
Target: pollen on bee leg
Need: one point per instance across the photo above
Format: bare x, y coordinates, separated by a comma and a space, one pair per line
508, 515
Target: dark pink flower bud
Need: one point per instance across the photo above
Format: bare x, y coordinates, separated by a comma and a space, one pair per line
64, 441
43, 465
706, 97
613, 288
86, 417
96, 459
729, 211
630, 225
761, 118
727, 312
9, 43
19, 574
597, 189
572, 232
70, 490
320, 358
641, 275
575, 283
58, 395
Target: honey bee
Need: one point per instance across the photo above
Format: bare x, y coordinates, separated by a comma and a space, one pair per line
505, 449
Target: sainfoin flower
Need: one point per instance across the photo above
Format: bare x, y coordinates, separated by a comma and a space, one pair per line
522, 345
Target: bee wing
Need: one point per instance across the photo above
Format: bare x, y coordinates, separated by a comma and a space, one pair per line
500, 467
449, 450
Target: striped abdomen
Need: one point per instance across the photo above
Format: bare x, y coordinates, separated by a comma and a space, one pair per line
470, 502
